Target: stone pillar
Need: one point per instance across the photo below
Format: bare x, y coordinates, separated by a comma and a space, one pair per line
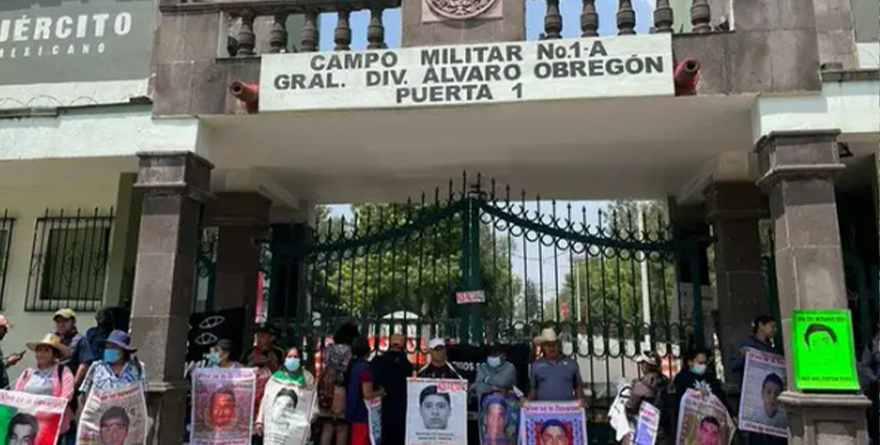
798, 170
174, 185
733, 210
242, 219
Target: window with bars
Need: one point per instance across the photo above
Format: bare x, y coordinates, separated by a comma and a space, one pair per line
69, 261
5, 243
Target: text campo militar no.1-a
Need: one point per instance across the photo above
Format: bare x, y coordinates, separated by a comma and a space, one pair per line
466, 73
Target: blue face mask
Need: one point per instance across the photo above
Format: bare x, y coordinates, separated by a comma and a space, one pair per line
112, 355
292, 364
494, 362
698, 369
214, 358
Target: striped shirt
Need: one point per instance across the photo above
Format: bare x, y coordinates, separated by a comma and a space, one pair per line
101, 376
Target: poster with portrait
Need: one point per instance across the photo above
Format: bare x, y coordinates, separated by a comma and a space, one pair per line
763, 382
553, 423
436, 412
374, 413
499, 419
222, 406
823, 351
703, 420
647, 425
286, 412
114, 417
29, 419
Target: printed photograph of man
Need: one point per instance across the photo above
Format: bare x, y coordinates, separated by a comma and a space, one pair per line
822, 343
710, 431
22, 430
496, 417
553, 433
114, 426
435, 408
284, 405
770, 391
222, 411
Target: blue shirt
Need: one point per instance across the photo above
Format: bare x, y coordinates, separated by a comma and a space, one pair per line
355, 409
80, 351
101, 376
555, 382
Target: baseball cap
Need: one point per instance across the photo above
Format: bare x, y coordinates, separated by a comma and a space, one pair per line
437, 343
65, 313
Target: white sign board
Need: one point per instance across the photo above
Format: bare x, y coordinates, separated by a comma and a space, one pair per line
469, 74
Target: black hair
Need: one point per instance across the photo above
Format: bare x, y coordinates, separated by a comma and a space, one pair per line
773, 378
224, 345
710, 420
116, 412
433, 391
496, 350
346, 334
816, 327
760, 321
360, 348
289, 393
552, 423
22, 419
693, 353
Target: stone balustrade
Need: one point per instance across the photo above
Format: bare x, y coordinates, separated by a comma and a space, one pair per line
626, 18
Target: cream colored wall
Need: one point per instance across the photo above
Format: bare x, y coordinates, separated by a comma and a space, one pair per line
26, 204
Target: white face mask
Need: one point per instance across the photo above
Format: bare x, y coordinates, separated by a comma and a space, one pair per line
494, 362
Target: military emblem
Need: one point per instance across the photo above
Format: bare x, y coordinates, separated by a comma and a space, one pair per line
460, 9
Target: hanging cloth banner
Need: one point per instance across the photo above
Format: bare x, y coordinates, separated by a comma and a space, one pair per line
286, 413
647, 425
223, 406
30, 419
703, 419
114, 417
436, 412
553, 423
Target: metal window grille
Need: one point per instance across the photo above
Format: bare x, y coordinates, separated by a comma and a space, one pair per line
69, 261
5, 242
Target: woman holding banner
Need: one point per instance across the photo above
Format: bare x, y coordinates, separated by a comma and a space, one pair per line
119, 367
219, 357
359, 390
49, 377
286, 387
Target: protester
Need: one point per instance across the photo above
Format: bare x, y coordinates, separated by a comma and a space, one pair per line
220, 354
390, 370
6, 362
291, 373
697, 375
651, 387
438, 367
331, 386
264, 354
496, 376
869, 378
80, 354
49, 377
763, 333
554, 378
118, 368
359, 390
96, 336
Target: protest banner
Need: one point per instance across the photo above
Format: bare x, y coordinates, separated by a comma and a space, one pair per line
553, 423
223, 406
286, 413
703, 419
436, 412
647, 424
617, 414
374, 410
114, 417
499, 419
30, 419
759, 407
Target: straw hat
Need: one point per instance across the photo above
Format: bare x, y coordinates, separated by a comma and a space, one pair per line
52, 341
548, 335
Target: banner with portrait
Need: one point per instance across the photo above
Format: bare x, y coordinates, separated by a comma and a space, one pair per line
114, 417
374, 413
286, 413
30, 419
703, 419
763, 382
647, 425
222, 406
553, 423
436, 412
499, 419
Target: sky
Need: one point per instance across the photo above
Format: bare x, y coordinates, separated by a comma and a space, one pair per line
535, 9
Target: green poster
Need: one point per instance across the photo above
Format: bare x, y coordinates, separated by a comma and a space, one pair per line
823, 351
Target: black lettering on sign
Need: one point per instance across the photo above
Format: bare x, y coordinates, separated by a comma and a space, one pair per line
353, 61
444, 93
471, 74
471, 55
306, 82
654, 64
561, 69
386, 78
614, 66
598, 49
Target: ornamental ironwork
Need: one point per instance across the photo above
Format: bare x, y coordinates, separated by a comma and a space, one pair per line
460, 9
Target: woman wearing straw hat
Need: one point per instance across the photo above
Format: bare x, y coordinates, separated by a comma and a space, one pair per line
49, 377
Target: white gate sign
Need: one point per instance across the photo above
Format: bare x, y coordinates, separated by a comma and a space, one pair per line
469, 74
